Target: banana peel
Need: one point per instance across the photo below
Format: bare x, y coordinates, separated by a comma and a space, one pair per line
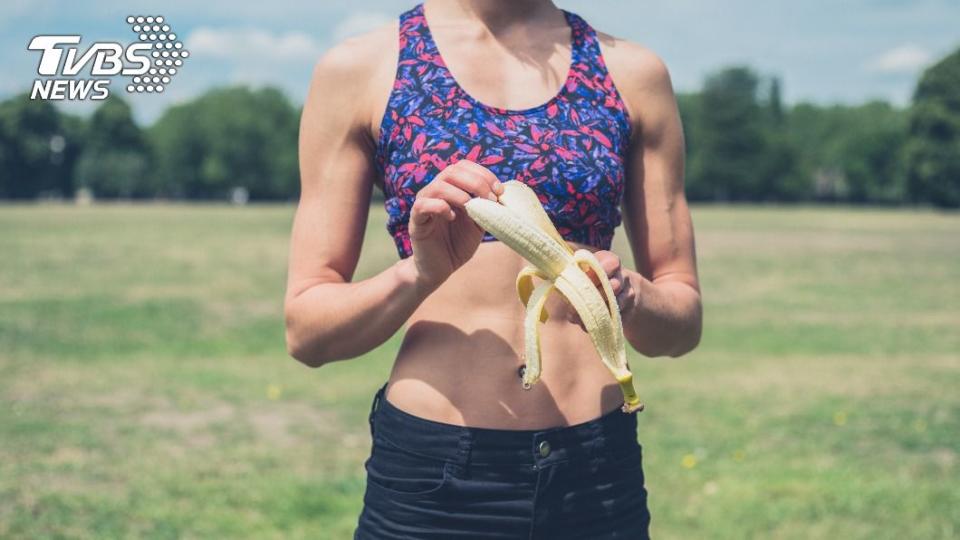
518, 220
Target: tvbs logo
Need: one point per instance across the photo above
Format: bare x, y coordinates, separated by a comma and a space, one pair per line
149, 63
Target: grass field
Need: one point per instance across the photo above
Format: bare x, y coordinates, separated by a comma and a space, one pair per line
145, 390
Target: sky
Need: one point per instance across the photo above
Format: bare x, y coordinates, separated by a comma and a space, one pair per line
824, 51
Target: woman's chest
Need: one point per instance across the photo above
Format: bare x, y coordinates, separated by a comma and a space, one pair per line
556, 146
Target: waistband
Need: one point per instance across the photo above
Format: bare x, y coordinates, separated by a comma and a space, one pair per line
614, 432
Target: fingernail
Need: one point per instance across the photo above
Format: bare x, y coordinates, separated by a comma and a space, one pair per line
497, 185
492, 196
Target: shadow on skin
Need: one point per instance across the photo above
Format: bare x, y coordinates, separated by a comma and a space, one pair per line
539, 59
470, 390
610, 392
548, 44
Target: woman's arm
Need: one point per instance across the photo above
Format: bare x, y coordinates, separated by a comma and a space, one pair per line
660, 301
327, 317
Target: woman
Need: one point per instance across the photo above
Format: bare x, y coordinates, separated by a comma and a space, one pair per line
442, 106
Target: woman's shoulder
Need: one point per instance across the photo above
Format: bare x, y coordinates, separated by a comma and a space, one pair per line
637, 62
638, 71
354, 76
360, 56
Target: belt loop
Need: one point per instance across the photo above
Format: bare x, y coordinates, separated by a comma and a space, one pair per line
375, 406
598, 437
464, 447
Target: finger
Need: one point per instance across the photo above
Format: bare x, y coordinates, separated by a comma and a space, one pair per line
485, 175
469, 180
621, 296
616, 283
441, 189
426, 208
609, 261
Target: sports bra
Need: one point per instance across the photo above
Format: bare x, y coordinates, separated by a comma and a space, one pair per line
569, 150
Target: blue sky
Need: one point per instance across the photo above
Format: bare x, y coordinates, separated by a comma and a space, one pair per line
825, 51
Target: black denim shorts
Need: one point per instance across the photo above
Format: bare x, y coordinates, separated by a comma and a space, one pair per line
428, 479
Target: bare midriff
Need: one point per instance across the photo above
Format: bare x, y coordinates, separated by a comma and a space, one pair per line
463, 348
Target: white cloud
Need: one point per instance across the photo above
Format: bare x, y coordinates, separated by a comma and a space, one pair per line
360, 22
906, 59
250, 44
243, 55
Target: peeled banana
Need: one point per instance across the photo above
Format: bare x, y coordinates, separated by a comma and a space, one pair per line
518, 220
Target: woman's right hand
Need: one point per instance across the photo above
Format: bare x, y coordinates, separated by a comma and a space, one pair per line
442, 235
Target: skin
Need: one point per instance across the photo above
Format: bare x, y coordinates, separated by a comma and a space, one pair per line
455, 298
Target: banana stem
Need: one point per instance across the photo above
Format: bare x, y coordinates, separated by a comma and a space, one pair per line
631, 401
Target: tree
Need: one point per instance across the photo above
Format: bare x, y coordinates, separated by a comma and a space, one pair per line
778, 170
851, 153
689, 104
740, 150
227, 138
38, 146
933, 148
872, 145
115, 161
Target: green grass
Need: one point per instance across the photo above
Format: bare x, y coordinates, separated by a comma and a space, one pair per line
145, 390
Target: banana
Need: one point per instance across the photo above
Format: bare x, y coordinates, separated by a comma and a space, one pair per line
518, 220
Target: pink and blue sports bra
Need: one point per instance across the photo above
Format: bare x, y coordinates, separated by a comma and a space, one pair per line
569, 150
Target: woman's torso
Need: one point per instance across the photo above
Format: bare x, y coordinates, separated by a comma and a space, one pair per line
462, 350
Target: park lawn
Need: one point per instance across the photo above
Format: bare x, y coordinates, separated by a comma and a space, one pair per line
145, 390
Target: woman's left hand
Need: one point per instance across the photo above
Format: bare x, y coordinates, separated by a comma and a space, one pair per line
622, 287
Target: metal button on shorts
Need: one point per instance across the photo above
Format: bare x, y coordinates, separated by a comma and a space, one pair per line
544, 449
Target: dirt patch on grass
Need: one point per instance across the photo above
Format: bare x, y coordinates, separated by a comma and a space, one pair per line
797, 378
69, 455
288, 424
122, 400
721, 243
194, 427
280, 424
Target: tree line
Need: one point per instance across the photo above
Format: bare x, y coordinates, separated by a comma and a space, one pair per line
743, 144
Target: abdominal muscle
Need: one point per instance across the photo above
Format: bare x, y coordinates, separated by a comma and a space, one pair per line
463, 347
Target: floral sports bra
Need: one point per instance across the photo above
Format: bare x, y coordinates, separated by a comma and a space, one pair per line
569, 150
